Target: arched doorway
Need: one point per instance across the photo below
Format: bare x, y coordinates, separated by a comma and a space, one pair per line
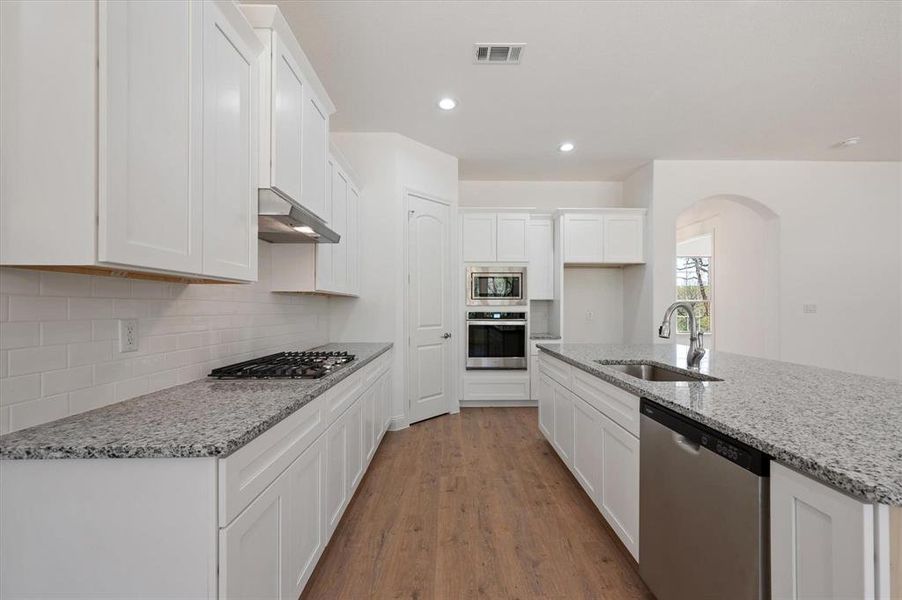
728, 260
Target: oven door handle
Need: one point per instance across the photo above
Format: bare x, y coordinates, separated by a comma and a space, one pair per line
499, 322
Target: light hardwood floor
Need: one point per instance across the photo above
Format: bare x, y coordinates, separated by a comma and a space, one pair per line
468, 506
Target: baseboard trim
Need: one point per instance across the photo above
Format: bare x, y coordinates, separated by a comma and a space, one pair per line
496, 403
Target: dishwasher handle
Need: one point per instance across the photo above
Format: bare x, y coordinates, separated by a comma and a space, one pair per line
691, 436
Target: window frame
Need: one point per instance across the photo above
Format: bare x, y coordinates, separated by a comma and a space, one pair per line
711, 293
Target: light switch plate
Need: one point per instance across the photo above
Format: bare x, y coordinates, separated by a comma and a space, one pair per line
809, 309
128, 335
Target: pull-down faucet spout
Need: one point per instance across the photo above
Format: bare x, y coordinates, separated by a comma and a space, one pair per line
696, 337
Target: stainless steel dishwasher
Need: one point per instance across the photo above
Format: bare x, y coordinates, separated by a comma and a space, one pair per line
703, 511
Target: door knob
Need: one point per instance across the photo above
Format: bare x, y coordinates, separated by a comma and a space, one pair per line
446, 335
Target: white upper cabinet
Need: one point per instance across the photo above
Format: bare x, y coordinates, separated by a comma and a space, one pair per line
540, 253
494, 236
512, 237
603, 236
353, 241
294, 115
339, 224
480, 231
170, 90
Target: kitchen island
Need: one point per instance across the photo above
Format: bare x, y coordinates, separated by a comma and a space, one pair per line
212, 489
834, 439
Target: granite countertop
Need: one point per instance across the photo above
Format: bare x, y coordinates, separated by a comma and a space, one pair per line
842, 428
205, 418
544, 336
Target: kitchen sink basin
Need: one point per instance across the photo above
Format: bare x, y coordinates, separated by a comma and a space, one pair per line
653, 372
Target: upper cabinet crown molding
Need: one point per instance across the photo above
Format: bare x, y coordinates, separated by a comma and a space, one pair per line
170, 163
268, 16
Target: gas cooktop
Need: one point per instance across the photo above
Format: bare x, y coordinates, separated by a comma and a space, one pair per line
286, 365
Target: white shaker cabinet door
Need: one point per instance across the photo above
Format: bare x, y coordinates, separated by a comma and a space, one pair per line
306, 526
353, 241
512, 237
563, 423
336, 494
618, 492
315, 150
587, 435
583, 238
623, 238
253, 552
821, 540
545, 397
340, 225
355, 445
540, 249
479, 237
287, 112
325, 253
230, 136
368, 406
150, 133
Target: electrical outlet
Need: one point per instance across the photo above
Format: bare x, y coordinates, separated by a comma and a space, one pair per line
128, 335
589, 315
809, 309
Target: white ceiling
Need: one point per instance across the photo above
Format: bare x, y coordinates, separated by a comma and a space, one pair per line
625, 81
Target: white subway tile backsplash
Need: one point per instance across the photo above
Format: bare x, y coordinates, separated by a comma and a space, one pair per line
35, 308
66, 380
65, 284
38, 411
19, 281
19, 335
35, 360
90, 308
74, 365
86, 353
111, 287
65, 332
19, 389
91, 398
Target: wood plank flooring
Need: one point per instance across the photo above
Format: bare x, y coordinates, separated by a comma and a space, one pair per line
474, 505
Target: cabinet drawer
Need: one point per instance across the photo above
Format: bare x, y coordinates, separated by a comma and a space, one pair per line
375, 369
556, 369
246, 473
618, 405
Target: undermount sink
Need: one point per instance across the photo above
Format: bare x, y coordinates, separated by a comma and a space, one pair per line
652, 372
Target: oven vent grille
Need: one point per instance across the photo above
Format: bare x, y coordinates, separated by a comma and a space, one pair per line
498, 54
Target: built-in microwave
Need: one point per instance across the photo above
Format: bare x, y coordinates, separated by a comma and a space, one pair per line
496, 286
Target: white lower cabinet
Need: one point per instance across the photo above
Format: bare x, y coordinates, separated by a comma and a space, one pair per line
306, 509
585, 432
821, 540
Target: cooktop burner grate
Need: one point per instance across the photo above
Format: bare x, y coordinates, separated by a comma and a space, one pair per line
286, 365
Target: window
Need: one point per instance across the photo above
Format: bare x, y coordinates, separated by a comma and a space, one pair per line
693, 282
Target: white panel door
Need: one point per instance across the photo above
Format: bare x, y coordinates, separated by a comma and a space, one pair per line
587, 437
583, 238
305, 535
623, 238
355, 445
822, 541
336, 495
253, 551
340, 225
480, 234
287, 110
563, 423
230, 178
316, 148
325, 269
353, 239
546, 406
540, 250
151, 133
512, 237
429, 314
618, 496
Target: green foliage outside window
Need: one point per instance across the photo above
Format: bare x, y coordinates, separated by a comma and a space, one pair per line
693, 283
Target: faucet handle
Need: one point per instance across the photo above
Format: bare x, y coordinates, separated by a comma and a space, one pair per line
701, 341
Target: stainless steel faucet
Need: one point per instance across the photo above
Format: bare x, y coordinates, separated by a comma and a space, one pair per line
696, 337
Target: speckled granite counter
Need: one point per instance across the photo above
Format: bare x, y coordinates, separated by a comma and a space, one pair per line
200, 419
841, 428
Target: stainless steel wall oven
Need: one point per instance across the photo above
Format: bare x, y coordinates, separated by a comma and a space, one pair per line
496, 340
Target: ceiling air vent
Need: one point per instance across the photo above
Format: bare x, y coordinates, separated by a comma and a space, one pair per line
498, 54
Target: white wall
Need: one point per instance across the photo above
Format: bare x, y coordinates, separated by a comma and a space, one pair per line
599, 292
58, 336
638, 320
548, 195
745, 273
839, 249
387, 163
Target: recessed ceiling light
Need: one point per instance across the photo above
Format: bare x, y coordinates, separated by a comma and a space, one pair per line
447, 103
852, 141
566, 147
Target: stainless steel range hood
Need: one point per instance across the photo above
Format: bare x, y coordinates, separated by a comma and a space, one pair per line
281, 220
